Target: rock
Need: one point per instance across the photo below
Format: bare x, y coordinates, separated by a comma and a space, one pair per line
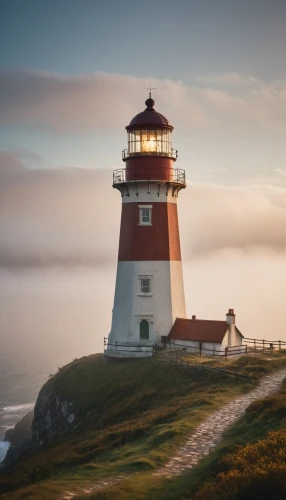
51, 418
71, 418
21, 431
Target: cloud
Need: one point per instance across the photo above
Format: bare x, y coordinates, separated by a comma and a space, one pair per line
215, 218
71, 216
26, 156
9, 163
57, 217
103, 101
227, 79
281, 172
211, 170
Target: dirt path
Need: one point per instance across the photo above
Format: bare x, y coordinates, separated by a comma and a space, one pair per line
91, 488
209, 432
206, 436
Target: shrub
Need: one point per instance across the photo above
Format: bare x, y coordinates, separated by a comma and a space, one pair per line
253, 471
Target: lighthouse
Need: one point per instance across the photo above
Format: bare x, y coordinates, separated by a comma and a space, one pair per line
149, 290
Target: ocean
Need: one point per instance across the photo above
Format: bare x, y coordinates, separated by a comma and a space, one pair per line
47, 318
21, 380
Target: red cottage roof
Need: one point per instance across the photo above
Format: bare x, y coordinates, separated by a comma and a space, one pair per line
198, 329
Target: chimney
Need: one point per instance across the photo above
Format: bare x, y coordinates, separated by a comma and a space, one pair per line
194, 317
230, 316
230, 319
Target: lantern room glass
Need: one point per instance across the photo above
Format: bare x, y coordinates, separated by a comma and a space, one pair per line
149, 142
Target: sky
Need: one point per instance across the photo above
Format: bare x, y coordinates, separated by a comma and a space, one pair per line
72, 76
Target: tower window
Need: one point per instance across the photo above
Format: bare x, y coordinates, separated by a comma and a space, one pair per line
145, 215
144, 287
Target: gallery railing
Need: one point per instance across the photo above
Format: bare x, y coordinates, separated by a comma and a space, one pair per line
173, 175
173, 153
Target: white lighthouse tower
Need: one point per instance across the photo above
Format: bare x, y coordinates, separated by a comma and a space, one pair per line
149, 291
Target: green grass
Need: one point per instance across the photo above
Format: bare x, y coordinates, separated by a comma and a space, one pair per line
242, 440
252, 365
251, 456
131, 417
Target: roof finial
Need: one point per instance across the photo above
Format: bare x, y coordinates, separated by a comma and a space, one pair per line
150, 90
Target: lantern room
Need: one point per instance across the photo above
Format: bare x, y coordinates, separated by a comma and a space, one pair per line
149, 142
149, 155
149, 133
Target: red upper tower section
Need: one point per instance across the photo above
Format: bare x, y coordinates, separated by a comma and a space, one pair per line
149, 156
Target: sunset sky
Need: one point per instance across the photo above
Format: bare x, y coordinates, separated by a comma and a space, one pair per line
72, 76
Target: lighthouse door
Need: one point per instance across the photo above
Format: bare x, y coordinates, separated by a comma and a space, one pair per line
144, 329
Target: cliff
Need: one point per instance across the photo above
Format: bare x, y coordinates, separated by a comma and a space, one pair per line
95, 421
21, 431
50, 418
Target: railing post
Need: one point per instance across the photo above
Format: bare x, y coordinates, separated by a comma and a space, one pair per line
115, 344
246, 349
263, 345
254, 345
200, 348
279, 345
225, 352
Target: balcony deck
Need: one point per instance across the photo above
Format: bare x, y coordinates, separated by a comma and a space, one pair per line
174, 176
171, 154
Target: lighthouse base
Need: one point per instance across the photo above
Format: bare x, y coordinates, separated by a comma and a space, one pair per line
128, 350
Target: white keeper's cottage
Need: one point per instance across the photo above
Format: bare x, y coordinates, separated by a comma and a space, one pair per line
206, 336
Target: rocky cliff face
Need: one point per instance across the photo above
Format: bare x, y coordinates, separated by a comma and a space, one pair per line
21, 431
52, 417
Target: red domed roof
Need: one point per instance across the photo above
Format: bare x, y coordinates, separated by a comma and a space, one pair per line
150, 118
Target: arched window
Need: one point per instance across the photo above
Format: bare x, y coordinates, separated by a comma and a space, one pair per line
144, 330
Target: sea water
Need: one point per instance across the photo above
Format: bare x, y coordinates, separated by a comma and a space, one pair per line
4, 447
47, 318
20, 382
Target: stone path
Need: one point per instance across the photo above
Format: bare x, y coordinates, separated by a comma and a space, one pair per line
205, 438
90, 488
210, 431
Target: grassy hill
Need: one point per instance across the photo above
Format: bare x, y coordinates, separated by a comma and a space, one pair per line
130, 418
250, 462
